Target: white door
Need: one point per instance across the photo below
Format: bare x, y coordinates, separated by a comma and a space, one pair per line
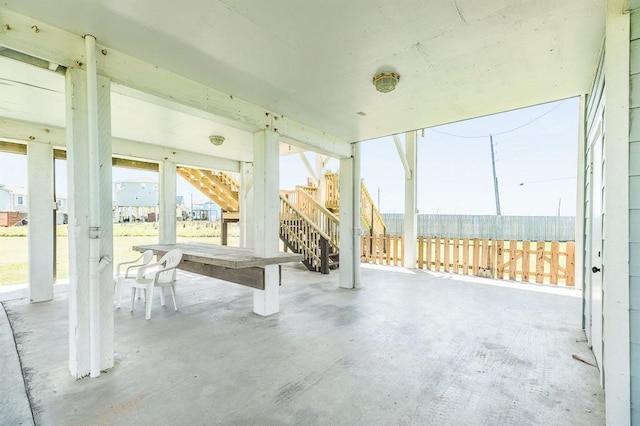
595, 266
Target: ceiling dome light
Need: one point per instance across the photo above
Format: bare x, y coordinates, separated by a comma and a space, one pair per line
216, 140
385, 81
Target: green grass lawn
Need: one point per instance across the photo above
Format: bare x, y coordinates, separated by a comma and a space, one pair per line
14, 267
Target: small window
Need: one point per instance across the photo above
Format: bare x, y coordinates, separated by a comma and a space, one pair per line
20, 200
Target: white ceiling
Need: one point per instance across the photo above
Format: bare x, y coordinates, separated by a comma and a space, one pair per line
313, 61
36, 95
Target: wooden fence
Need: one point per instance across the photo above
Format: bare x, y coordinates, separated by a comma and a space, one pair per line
540, 262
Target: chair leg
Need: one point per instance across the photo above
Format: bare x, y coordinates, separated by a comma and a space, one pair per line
118, 292
173, 294
161, 289
133, 297
148, 299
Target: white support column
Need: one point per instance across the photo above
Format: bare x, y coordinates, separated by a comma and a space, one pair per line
350, 220
357, 223
41, 221
410, 202
615, 248
321, 194
266, 200
90, 221
246, 205
580, 188
168, 196
307, 165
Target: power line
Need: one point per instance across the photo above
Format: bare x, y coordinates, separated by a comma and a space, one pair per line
503, 132
547, 180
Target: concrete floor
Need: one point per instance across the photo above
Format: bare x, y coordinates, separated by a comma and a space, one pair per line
405, 348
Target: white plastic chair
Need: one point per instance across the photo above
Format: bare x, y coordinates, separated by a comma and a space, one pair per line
161, 274
143, 260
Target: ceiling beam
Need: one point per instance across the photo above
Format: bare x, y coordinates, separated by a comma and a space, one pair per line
17, 130
145, 81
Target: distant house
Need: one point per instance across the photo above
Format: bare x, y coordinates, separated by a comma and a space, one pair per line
135, 199
14, 199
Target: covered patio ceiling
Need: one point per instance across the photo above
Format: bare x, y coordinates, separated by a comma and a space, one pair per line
313, 61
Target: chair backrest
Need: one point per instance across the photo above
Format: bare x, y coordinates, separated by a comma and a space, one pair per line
145, 259
147, 256
170, 260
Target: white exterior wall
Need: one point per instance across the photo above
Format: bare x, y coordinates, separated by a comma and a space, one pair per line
6, 200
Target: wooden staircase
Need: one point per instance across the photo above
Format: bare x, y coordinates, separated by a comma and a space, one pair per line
219, 187
370, 218
306, 226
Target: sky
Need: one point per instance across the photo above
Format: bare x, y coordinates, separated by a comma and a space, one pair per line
535, 150
536, 160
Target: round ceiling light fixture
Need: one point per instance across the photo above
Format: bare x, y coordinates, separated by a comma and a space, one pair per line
386, 81
216, 140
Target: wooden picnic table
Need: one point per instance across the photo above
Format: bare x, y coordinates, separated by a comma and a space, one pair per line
234, 264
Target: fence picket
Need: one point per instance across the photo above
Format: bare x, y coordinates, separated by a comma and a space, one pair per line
429, 266
388, 247
555, 246
476, 255
540, 262
570, 278
526, 260
465, 256
500, 259
456, 254
485, 254
436, 246
513, 259
395, 250
446, 254
420, 251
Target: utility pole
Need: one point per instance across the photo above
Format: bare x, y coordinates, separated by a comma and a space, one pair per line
495, 178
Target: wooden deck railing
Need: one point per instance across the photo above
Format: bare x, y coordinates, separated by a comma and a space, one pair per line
540, 262
303, 236
326, 221
332, 190
369, 214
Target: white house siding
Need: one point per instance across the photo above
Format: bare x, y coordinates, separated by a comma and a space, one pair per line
136, 194
634, 215
5, 200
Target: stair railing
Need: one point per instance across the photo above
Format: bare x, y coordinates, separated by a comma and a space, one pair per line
220, 187
303, 235
370, 214
320, 216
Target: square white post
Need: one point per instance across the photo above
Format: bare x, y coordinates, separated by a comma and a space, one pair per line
266, 202
615, 245
357, 223
90, 220
41, 221
321, 194
350, 219
410, 202
167, 221
246, 205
